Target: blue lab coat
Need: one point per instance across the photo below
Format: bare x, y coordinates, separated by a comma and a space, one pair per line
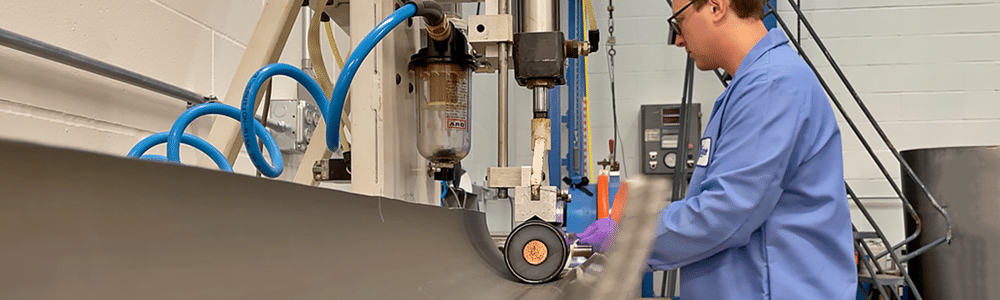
766, 216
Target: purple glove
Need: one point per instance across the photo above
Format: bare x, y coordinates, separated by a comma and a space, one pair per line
599, 234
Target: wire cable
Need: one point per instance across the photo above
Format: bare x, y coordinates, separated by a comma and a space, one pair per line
611, 74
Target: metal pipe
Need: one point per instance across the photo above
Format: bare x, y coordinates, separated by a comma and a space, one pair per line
51, 52
878, 282
541, 99
276, 126
885, 241
540, 15
582, 250
502, 86
502, 106
680, 169
306, 17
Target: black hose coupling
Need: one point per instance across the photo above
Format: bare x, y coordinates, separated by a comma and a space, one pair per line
438, 28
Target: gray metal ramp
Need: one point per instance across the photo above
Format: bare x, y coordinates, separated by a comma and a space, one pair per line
76, 225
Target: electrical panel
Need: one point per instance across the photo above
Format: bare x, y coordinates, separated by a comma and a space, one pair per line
661, 127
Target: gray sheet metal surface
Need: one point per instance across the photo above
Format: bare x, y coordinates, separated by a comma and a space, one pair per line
964, 180
76, 225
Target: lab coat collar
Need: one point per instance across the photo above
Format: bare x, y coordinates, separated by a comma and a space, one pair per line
774, 38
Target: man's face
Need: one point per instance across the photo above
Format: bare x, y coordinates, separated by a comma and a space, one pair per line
695, 33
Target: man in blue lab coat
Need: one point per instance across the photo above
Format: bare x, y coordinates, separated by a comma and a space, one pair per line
766, 216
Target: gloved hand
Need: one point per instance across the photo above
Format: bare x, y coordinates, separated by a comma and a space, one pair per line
599, 234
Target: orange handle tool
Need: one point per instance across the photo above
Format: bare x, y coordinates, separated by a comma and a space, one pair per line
621, 199
602, 196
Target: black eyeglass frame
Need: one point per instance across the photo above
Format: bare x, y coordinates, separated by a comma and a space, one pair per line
674, 27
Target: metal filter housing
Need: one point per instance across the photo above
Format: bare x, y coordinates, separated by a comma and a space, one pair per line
444, 134
441, 75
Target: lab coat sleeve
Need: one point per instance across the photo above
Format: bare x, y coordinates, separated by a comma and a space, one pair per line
744, 177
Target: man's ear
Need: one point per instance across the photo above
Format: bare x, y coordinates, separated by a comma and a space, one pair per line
718, 9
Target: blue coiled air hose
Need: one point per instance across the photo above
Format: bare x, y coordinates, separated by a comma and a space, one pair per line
247, 109
176, 131
250, 128
331, 110
145, 144
351, 68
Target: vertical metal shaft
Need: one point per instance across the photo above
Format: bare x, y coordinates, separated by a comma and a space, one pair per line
502, 86
306, 17
502, 107
539, 15
541, 99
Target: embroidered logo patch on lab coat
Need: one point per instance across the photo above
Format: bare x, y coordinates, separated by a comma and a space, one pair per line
706, 151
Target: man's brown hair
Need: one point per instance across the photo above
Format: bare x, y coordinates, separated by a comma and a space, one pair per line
743, 8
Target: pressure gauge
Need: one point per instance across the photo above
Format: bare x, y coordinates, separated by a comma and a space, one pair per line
670, 159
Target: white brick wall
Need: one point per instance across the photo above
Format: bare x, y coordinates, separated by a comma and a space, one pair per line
926, 69
196, 45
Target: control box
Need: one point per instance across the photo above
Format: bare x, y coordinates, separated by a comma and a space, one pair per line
661, 127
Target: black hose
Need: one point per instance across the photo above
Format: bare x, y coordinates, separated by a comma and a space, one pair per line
431, 11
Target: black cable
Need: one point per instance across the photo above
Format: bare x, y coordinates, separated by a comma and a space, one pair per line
479, 6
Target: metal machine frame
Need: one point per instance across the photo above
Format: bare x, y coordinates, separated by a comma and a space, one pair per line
382, 118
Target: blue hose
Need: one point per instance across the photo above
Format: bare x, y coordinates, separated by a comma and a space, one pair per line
149, 142
155, 157
174, 138
260, 77
245, 114
444, 189
331, 110
366, 45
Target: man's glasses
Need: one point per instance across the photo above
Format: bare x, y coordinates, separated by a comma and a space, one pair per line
676, 28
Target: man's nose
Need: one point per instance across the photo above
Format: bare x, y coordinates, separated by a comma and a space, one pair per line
679, 41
